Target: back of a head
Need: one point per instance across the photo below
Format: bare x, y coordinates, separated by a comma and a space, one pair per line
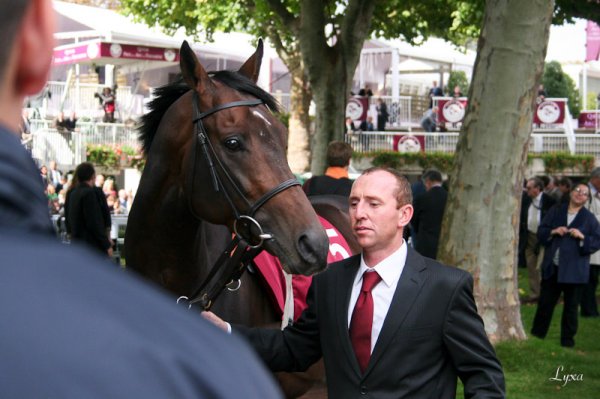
433, 176
339, 154
84, 172
10, 20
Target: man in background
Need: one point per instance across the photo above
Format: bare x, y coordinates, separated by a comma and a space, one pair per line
429, 214
72, 327
335, 180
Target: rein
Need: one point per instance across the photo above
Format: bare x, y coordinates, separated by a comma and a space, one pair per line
249, 236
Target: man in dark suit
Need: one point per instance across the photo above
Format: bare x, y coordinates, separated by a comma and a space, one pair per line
71, 326
84, 211
533, 209
409, 336
429, 213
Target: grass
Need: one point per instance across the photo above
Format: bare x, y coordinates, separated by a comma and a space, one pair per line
529, 365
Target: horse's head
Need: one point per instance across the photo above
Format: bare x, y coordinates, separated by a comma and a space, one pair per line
236, 168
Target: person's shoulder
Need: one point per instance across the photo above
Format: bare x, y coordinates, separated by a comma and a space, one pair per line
441, 271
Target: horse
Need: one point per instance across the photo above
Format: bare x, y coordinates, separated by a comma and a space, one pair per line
216, 164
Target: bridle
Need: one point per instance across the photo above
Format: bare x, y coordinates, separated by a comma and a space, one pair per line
245, 244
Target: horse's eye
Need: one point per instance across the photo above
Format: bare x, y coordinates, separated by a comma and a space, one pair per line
233, 144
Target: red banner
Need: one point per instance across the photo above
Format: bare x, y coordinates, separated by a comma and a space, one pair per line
357, 108
409, 143
550, 111
451, 110
587, 119
93, 51
592, 43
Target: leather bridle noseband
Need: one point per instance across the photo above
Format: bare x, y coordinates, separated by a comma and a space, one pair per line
242, 249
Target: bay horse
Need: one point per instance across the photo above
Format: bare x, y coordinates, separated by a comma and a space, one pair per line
216, 163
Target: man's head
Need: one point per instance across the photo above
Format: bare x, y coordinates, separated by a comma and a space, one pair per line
431, 178
534, 187
380, 207
339, 154
595, 178
564, 184
85, 173
26, 45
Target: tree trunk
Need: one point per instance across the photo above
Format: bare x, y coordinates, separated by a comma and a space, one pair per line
299, 128
480, 229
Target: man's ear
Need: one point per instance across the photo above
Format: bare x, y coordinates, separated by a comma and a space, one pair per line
34, 46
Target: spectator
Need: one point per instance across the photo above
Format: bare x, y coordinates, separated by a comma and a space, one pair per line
552, 189
382, 115
349, 126
541, 94
60, 123
589, 303
335, 180
72, 328
44, 175
564, 185
84, 212
367, 125
533, 210
570, 234
55, 176
435, 91
429, 213
107, 100
123, 201
456, 93
429, 120
71, 123
100, 179
410, 335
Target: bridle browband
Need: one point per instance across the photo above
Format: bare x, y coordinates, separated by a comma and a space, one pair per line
241, 250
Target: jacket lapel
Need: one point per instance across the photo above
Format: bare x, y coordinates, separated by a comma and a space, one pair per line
410, 284
344, 289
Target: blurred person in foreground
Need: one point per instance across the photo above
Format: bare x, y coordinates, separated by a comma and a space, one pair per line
71, 327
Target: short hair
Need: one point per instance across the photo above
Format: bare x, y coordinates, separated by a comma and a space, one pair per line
403, 189
537, 182
565, 181
545, 181
84, 172
10, 20
595, 172
432, 175
339, 153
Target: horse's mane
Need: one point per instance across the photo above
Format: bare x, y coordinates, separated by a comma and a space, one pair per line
166, 95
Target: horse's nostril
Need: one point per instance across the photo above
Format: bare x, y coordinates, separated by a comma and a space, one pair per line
313, 247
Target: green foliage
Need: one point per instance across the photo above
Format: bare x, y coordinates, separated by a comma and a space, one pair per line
458, 78
592, 100
399, 160
554, 163
557, 162
114, 156
284, 117
558, 84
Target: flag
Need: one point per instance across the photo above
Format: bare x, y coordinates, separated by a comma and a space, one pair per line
592, 41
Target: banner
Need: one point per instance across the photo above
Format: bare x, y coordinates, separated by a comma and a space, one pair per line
592, 43
550, 111
587, 119
451, 110
409, 143
357, 108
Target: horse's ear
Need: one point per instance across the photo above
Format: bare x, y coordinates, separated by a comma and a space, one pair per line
251, 67
191, 69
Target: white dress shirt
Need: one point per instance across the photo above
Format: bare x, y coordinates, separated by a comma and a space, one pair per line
534, 213
390, 270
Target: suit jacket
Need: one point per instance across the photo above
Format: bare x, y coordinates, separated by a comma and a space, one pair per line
427, 220
431, 334
86, 218
574, 255
546, 202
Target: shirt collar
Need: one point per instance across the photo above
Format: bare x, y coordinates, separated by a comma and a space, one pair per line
389, 269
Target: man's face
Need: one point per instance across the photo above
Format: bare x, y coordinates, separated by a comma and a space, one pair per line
377, 223
595, 181
532, 190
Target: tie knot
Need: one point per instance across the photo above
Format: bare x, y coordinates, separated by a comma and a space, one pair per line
370, 280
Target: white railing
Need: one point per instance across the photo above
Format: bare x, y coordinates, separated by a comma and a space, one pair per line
68, 149
584, 144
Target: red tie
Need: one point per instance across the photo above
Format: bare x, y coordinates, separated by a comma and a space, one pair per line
361, 323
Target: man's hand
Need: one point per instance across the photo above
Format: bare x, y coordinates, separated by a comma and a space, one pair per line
216, 320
